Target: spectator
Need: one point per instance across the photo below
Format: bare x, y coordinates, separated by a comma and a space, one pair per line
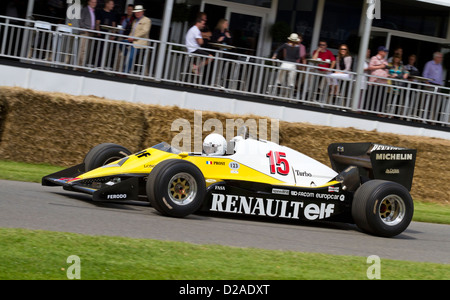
140, 31
344, 63
399, 52
411, 66
397, 71
378, 65
221, 34
291, 56
126, 21
433, 69
194, 41
396, 68
324, 54
105, 16
87, 22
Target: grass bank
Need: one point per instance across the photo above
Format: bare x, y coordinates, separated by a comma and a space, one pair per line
36, 254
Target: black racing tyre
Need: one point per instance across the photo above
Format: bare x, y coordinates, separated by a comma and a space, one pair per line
383, 208
176, 188
104, 154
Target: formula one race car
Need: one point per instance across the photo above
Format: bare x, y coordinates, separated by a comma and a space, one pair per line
368, 183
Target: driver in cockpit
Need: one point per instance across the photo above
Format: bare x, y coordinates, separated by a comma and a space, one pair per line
214, 144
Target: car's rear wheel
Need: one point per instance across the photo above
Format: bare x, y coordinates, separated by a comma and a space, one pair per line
383, 208
104, 154
176, 188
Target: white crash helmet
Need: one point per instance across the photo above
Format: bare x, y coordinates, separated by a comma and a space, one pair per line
215, 144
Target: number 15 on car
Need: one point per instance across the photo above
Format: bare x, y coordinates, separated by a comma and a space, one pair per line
278, 163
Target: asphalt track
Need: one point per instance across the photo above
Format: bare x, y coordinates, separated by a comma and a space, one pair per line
32, 206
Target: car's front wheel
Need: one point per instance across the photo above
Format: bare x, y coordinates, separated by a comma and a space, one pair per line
176, 188
383, 208
104, 154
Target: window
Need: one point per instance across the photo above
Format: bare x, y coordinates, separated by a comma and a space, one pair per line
420, 18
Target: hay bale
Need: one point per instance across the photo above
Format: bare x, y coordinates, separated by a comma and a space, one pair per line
2, 115
60, 129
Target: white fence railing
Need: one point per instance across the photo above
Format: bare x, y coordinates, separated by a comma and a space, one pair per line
63, 46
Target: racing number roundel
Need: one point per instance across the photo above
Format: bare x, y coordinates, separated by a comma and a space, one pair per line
278, 163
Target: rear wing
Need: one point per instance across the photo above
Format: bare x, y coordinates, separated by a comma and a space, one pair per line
375, 161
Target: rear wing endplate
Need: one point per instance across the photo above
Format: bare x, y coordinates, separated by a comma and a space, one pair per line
375, 161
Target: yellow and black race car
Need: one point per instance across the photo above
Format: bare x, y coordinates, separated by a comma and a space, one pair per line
368, 183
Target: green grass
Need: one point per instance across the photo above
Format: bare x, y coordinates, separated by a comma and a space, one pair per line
423, 212
431, 212
20, 171
36, 254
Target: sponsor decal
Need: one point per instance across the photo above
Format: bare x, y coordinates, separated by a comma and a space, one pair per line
116, 196
219, 188
303, 194
143, 153
394, 156
302, 173
234, 165
392, 171
334, 189
330, 197
270, 207
67, 179
280, 191
322, 196
385, 147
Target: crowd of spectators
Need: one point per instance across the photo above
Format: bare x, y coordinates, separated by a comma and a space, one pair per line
199, 38
133, 24
331, 73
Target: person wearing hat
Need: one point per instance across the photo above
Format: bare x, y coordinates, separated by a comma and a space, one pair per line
290, 54
379, 65
140, 32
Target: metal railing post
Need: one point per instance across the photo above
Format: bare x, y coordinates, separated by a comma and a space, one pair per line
163, 38
361, 58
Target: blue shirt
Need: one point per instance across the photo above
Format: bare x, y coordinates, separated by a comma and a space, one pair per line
433, 71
